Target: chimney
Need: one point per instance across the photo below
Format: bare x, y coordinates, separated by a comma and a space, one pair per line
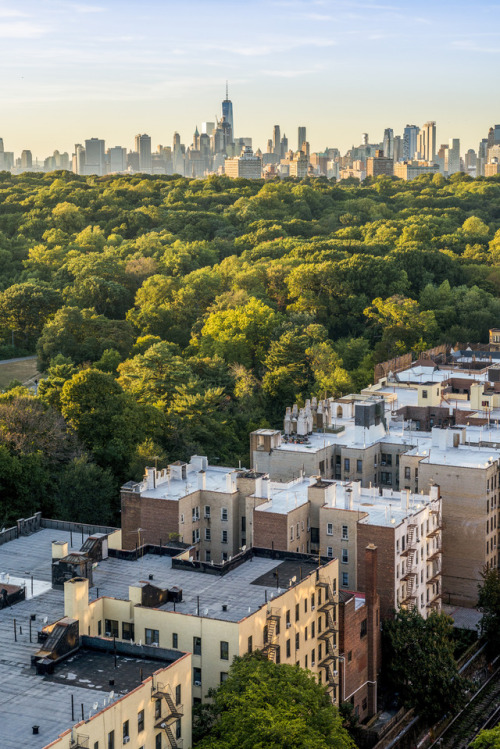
202, 480
373, 625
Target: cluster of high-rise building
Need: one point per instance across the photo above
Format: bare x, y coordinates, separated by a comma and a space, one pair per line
217, 150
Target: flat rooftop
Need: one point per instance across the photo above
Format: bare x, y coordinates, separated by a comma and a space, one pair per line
463, 456
215, 477
27, 699
283, 496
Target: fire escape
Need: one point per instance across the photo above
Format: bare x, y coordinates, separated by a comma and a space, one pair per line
327, 602
79, 741
410, 576
271, 632
435, 559
173, 713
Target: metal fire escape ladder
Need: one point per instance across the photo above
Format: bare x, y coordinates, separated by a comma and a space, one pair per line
173, 713
327, 605
271, 632
411, 553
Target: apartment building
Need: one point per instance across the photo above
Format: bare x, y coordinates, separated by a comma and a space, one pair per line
467, 471
285, 604
154, 715
341, 518
360, 643
201, 505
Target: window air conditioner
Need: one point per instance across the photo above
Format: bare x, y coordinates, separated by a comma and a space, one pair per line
335, 673
288, 625
126, 739
197, 683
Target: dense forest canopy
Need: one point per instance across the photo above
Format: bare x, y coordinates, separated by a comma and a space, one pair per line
173, 316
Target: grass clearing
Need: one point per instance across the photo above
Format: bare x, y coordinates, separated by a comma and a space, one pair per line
17, 370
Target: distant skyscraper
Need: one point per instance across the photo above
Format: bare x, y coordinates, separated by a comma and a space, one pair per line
410, 135
428, 141
284, 146
302, 137
227, 110
26, 160
117, 159
398, 148
94, 156
79, 159
207, 128
388, 143
453, 156
276, 139
143, 148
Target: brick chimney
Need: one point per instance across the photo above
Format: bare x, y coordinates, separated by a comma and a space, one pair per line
373, 625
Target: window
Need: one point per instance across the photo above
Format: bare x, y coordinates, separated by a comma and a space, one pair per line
386, 478
126, 732
224, 537
196, 645
288, 649
111, 628
407, 472
128, 631
223, 676
345, 556
175, 640
424, 393
224, 556
158, 741
305, 662
99, 628
291, 533
363, 628
313, 657
305, 634
197, 677
152, 637
347, 464
243, 524
250, 644
178, 698
345, 533
313, 629
140, 721
297, 612
313, 602
208, 556
386, 459
349, 656
178, 728
195, 514
196, 535
297, 641
364, 703
359, 466
158, 709
345, 579
111, 740
208, 534
287, 619
329, 529
182, 518
224, 650
329, 551
223, 513
207, 512
305, 605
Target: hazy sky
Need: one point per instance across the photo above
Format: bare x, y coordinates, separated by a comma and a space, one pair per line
112, 68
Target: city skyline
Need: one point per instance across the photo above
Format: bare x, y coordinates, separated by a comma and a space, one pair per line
102, 68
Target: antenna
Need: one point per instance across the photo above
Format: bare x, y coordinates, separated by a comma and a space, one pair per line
227, 92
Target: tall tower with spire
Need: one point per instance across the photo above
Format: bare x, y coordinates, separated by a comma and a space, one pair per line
227, 110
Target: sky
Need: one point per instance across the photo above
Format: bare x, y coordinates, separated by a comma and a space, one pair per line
72, 70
